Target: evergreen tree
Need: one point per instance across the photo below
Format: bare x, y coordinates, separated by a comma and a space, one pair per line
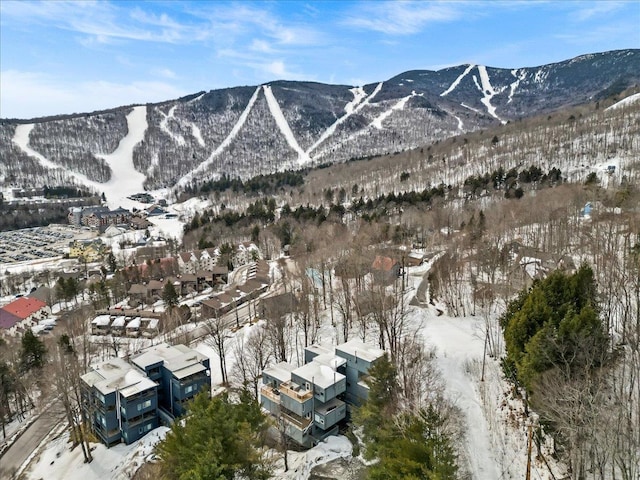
170, 295
33, 353
218, 439
551, 325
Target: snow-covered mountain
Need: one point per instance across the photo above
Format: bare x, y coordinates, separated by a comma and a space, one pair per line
246, 131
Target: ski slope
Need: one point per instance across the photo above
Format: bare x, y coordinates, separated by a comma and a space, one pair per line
487, 91
225, 143
283, 125
455, 83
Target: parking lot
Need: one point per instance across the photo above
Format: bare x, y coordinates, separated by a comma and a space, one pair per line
37, 243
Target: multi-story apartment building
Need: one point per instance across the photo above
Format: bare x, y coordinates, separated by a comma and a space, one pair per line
124, 401
312, 400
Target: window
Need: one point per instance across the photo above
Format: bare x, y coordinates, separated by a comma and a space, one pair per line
103, 421
145, 428
143, 405
188, 389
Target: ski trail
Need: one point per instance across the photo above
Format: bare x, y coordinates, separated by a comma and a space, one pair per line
125, 179
21, 139
487, 91
458, 350
514, 85
351, 108
232, 134
197, 98
283, 125
460, 124
195, 131
358, 95
377, 123
164, 125
471, 108
457, 81
625, 102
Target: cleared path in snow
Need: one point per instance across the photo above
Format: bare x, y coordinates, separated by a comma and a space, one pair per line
458, 345
225, 143
21, 139
455, 83
283, 125
125, 179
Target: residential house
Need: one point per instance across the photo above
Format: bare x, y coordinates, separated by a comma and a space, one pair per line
277, 306
101, 325
88, 250
415, 259
9, 323
246, 252
312, 400
385, 270
120, 401
180, 373
22, 313
191, 262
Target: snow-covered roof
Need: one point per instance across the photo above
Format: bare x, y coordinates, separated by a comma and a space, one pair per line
359, 349
330, 360
176, 359
319, 349
318, 374
116, 374
135, 323
101, 321
280, 371
119, 322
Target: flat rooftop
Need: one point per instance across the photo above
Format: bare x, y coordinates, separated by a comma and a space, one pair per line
318, 374
117, 375
280, 371
359, 349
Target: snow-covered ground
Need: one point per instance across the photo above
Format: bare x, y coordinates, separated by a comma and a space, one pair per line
495, 440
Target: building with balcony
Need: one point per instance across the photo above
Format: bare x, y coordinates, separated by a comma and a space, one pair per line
311, 401
180, 372
124, 401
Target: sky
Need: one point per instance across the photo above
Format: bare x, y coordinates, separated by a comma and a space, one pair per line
60, 57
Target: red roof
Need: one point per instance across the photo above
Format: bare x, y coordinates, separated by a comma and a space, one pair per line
383, 263
23, 307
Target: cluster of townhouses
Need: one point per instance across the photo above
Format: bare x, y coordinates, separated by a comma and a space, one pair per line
125, 400
311, 401
21, 314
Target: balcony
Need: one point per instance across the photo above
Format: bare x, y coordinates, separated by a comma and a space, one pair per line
294, 391
140, 419
295, 420
271, 393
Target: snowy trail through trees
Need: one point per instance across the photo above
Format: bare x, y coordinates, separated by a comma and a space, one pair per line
225, 143
125, 179
283, 125
487, 91
21, 139
458, 345
359, 101
455, 83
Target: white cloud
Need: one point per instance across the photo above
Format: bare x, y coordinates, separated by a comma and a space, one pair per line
402, 17
164, 73
595, 10
29, 94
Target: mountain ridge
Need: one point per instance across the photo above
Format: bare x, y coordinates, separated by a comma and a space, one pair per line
250, 130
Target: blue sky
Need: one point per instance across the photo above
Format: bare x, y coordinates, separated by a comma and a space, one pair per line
78, 56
